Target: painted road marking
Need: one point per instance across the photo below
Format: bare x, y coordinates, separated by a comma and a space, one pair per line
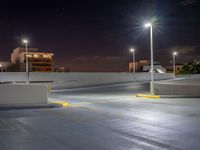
66, 104
147, 96
62, 103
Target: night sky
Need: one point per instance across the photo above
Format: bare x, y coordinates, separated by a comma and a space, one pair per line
92, 35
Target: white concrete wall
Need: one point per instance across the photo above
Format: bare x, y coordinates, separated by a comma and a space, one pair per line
77, 79
177, 89
71, 80
22, 94
12, 76
188, 86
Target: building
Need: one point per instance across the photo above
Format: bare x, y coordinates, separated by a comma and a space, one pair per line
138, 65
170, 69
131, 67
37, 61
144, 66
157, 67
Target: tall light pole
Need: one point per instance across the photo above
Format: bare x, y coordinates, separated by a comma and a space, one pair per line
133, 51
1, 67
149, 25
174, 63
26, 58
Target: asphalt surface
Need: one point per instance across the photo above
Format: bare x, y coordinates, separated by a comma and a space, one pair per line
104, 118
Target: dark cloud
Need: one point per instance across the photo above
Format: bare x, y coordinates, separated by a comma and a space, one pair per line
187, 2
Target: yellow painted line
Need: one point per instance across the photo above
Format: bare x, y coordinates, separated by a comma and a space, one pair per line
49, 87
147, 96
62, 103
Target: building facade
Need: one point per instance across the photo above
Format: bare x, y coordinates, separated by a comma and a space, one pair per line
157, 67
144, 66
37, 61
138, 65
170, 69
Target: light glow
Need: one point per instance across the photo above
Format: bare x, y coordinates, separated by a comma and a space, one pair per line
28, 55
132, 50
25, 41
175, 53
36, 56
148, 25
46, 56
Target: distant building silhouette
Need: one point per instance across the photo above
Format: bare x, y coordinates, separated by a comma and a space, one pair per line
170, 69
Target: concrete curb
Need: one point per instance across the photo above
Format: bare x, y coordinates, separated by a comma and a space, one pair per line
165, 96
18, 107
179, 96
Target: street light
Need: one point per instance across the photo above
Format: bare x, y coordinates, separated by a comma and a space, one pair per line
149, 25
174, 63
26, 58
1, 67
133, 51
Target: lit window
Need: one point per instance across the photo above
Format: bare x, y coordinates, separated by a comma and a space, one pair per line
36, 55
28, 55
46, 56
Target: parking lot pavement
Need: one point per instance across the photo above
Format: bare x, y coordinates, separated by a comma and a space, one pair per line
104, 118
